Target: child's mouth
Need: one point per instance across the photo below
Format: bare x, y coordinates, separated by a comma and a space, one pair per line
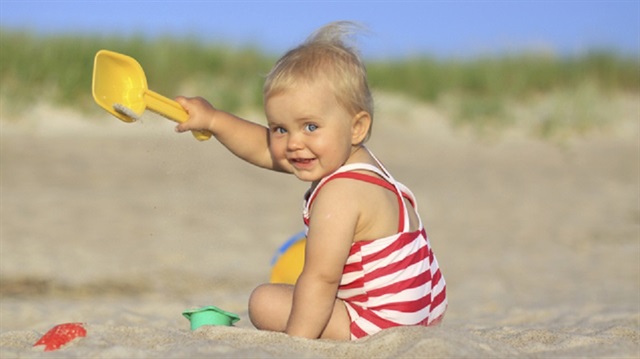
302, 163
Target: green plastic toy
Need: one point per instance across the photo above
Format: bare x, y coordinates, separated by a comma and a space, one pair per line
209, 315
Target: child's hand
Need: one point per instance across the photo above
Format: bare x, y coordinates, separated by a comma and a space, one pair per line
201, 114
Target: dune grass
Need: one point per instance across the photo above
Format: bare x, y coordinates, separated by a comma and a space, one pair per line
58, 68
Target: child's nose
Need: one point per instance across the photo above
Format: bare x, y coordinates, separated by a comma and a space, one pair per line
294, 142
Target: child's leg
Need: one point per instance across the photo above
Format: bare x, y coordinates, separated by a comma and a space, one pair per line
270, 306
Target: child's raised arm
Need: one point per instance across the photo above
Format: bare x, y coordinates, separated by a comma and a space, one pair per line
245, 139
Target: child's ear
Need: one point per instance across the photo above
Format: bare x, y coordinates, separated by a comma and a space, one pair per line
360, 125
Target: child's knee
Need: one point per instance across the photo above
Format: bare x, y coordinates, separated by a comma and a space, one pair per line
258, 302
256, 297
270, 305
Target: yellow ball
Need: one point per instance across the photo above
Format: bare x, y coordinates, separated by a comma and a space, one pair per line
289, 260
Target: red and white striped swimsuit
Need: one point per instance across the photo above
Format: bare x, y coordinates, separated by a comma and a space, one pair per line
391, 281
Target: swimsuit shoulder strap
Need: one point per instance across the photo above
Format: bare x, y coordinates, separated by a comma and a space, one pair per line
386, 181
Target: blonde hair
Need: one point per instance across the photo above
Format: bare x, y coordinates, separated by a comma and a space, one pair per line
326, 55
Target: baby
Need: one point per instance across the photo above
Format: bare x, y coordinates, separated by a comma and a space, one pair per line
368, 262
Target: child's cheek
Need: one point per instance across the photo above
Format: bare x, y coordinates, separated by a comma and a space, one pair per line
277, 147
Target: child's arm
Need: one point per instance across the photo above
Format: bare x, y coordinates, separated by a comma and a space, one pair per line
245, 139
333, 221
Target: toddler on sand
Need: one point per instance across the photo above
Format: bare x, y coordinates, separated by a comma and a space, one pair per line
368, 260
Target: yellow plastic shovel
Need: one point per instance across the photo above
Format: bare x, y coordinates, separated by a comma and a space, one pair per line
120, 87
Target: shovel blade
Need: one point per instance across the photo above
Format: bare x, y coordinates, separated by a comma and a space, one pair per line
118, 79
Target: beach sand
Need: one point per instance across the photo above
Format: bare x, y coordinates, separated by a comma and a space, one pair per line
124, 226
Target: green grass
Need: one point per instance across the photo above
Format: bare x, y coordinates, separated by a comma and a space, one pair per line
483, 88
58, 69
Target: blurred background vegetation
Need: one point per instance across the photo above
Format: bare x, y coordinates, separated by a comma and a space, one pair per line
475, 91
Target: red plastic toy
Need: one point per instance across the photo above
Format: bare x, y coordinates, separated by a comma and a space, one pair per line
60, 335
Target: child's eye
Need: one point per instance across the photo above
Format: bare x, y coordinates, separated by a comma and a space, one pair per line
311, 127
279, 130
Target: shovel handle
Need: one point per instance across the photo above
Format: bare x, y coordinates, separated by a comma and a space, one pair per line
171, 110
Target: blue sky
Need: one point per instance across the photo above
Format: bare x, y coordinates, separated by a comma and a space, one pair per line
398, 28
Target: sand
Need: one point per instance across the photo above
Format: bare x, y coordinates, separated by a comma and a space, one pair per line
124, 226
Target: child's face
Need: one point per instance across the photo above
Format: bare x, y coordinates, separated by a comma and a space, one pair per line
310, 133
